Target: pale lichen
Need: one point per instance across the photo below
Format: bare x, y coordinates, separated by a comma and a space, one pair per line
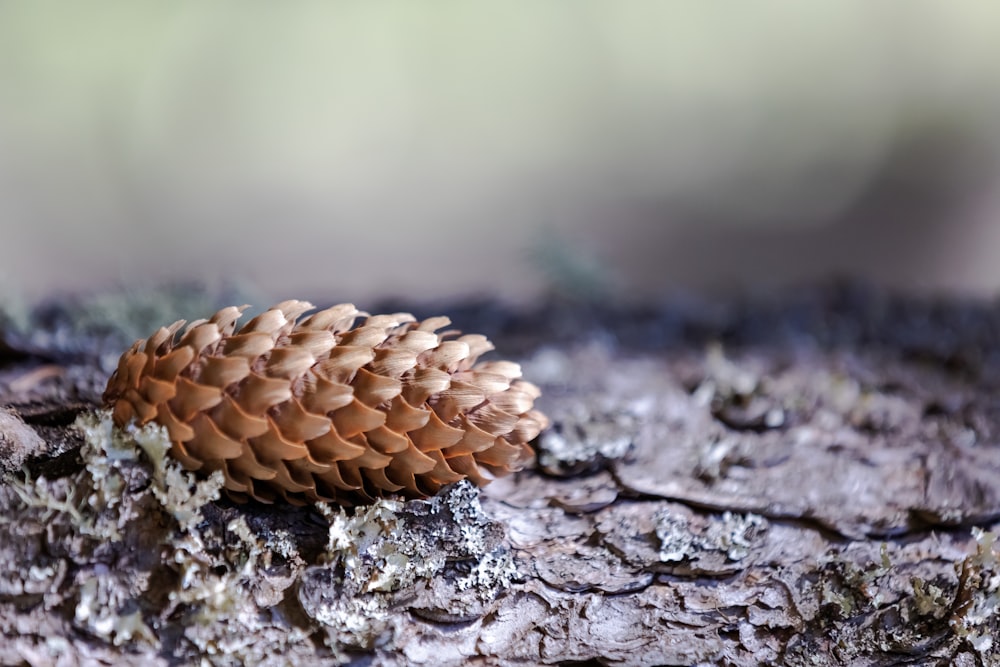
589, 435
102, 609
147, 562
94, 500
976, 614
107, 514
180, 493
732, 534
443, 554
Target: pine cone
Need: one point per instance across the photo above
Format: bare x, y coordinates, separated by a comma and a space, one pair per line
321, 410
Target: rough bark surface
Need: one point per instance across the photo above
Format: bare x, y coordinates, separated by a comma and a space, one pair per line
812, 479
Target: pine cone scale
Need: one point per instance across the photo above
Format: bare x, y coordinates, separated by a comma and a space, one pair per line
466, 466
210, 442
283, 478
442, 473
405, 418
474, 439
331, 448
386, 441
297, 424
179, 452
436, 435
217, 371
236, 422
272, 448
326, 396
373, 389
260, 393
356, 418
249, 467
322, 409
176, 429
192, 398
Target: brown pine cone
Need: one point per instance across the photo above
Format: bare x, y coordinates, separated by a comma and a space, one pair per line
323, 410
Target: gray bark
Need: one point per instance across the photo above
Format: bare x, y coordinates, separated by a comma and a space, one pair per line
807, 480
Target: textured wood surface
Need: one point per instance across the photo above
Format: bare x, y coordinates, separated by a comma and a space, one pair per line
807, 479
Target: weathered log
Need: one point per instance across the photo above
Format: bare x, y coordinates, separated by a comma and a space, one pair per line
810, 479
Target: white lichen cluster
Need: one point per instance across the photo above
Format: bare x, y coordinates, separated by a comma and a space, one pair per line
101, 609
374, 549
490, 575
94, 498
215, 589
372, 557
383, 549
91, 511
180, 495
590, 430
585, 439
461, 504
391, 549
732, 534
130, 497
860, 590
179, 492
493, 569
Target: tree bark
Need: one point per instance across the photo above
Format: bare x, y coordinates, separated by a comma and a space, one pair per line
809, 479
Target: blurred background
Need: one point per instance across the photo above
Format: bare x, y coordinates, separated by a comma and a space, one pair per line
363, 150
